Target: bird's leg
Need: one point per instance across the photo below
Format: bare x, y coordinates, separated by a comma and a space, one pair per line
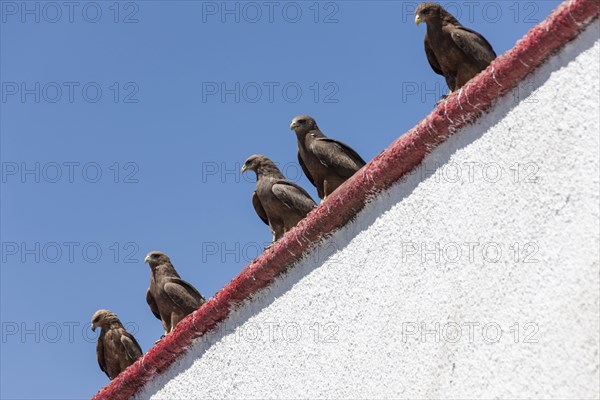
278, 230
326, 189
175, 319
165, 327
274, 240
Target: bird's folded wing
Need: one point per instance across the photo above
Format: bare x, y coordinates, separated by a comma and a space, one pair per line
474, 45
131, 346
100, 356
435, 65
183, 294
305, 170
260, 211
152, 303
335, 154
293, 196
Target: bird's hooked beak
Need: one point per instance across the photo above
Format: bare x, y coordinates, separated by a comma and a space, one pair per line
293, 125
147, 259
94, 326
244, 168
418, 19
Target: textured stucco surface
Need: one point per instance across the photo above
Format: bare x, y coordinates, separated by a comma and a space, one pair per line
346, 322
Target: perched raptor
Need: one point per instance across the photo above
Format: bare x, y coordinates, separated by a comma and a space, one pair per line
326, 162
454, 51
170, 298
281, 204
116, 349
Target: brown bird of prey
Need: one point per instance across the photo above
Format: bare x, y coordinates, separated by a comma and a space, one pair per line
170, 298
116, 349
280, 203
454, 51
327, 163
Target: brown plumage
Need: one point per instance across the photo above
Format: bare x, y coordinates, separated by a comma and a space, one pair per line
170, 298
280, 203
116, 348
326, 162
454, 51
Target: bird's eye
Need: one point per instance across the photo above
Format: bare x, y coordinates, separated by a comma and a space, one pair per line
154, 255
302, 121
96, 319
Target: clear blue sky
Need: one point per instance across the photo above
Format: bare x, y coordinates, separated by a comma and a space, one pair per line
174, 146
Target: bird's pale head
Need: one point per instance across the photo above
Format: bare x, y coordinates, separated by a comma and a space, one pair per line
303, 124
253, 162
155, 258
428, 12
103, 318
260, 164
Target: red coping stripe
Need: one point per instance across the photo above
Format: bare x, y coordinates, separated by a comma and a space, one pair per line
402, 156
